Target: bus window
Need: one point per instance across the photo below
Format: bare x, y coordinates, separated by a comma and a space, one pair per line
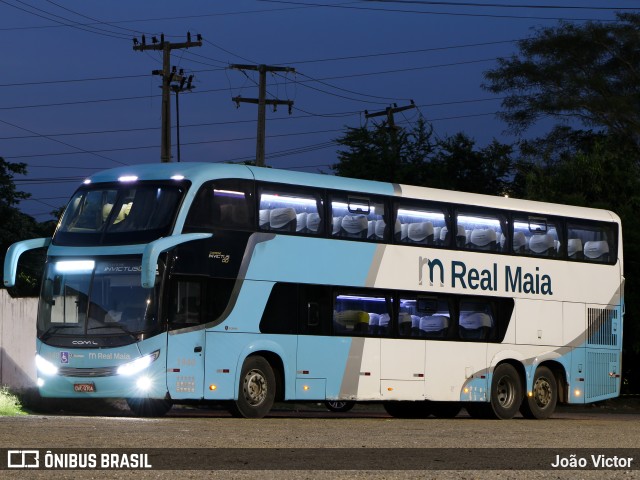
281, 313
288, 210
361, 314
418, 225
226, 203
476, 320
425, 317
360, 217
591, 242
482, 231
88, 211
537, 236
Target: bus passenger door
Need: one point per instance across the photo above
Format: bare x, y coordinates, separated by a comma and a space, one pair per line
185, 341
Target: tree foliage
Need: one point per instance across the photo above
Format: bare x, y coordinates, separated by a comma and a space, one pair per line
586, 72
416, 157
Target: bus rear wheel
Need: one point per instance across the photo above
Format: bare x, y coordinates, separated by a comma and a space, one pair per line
506, 391
544, 395
149, 407
257, 390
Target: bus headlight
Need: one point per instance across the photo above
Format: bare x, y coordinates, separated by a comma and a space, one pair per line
138, 364
45, 366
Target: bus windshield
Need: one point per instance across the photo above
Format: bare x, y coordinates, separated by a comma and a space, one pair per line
95, 298
119, 214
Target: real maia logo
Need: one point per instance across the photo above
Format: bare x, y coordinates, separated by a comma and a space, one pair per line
514, 279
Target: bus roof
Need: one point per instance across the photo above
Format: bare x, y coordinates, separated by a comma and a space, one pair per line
198, 173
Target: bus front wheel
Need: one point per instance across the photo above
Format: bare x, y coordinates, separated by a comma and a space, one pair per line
544, 395
257, 390
149, 407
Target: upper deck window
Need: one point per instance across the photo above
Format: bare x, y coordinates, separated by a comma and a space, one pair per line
285, 209
226, 203
481, 231
537, 236
359, 216
119, 214
591, 242
420, 225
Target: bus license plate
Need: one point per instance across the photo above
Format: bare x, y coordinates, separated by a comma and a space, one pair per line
84, 387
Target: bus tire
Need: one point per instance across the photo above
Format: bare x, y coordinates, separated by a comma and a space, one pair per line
257, 389
149, 407
340, 406
506, 391
445, 409
406, 409
542, 403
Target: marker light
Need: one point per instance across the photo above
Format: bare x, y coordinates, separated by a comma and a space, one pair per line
212, 387
177, 177
127, 178
45, 366
87, 181
40, 382
138, 365
530, 394
75, 266
305, 388
466, 390
577, 393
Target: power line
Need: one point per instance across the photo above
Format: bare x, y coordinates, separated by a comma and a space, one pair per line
501, 5
423, 12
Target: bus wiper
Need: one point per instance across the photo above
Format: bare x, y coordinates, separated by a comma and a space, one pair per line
54, 328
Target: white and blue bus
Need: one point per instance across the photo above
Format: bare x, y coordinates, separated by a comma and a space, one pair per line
194, 282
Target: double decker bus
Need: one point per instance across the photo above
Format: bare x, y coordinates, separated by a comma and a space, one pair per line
195, 282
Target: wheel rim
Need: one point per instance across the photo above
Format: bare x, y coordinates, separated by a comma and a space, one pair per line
338, 404
506, 392
542, 392
255, 387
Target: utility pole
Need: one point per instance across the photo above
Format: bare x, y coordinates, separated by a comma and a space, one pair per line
393, 130
262, 101
182, 84
165, 47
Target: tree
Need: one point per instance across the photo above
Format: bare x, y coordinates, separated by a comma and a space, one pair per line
588, 73
414, 157
380, 154
16, 226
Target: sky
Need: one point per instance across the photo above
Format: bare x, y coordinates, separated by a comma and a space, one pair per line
75, 98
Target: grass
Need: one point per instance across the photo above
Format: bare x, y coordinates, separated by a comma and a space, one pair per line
9, 404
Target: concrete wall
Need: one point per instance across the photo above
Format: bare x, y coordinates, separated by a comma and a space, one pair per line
17, 341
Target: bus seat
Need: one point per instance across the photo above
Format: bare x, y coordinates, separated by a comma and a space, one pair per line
519, 242
436, 235
283, 219
542, 244
475, 325
374, 323
313, 222
404, 232
574, 248
263, 218
354, 226
379, 230
597, 250
106, 210
415, 325
461, 236
404, 324
421, 232
434, 326
384, 323
444, 231
371, 229
337, 222
483, 239
301, 222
